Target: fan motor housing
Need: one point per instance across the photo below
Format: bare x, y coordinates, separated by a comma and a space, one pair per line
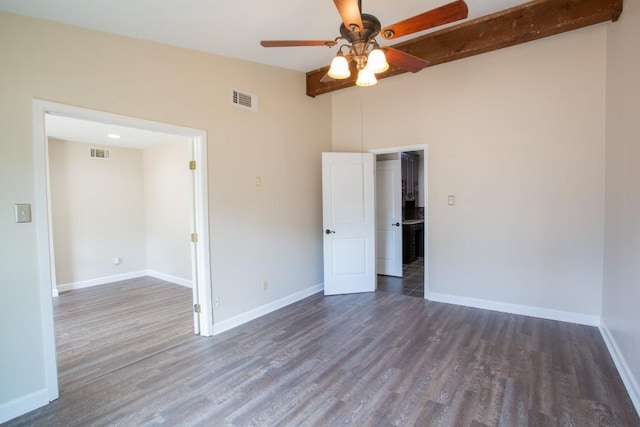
371, 29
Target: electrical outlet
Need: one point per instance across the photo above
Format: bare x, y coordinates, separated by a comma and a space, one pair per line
258, 181
265, 285
216, 301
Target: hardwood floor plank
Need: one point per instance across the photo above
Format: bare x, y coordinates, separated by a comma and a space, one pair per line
489, 405
515, 408
565, 399
128, 357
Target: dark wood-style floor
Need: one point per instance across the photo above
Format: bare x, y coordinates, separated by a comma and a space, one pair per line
128, 357
411, 283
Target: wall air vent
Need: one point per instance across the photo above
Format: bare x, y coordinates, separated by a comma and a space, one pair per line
244, 100
100, 153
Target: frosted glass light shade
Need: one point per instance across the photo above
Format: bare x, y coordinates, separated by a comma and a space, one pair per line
377, 61
366, 78
339, 68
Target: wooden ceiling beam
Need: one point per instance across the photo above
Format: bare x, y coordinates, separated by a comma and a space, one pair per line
520, 24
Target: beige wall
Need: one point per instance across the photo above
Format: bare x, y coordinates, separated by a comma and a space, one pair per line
621, 296
167, 202
271, 232
98, 212
517, 135
134, 206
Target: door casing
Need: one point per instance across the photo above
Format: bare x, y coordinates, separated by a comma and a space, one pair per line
425, 185
42, 216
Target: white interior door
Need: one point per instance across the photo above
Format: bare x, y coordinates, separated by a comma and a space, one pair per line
389, 218
349, 223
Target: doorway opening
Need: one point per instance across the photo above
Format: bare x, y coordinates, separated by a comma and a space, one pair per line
401, 220
198, 214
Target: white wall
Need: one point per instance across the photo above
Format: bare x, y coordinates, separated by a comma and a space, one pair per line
517, 135
167, 202
621, 296
272, 232
98, 212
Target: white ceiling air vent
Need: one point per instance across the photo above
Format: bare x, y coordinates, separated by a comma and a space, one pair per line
100, 153
244, 99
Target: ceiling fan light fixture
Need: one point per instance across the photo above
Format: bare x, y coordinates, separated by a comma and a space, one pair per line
339, 67
359, 30
366, 78
377, 61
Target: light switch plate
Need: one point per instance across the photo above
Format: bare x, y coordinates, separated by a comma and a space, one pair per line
23, 212
452, 200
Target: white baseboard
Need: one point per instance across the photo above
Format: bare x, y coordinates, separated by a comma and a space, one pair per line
22, 405
544, 313
623, 368
101, 281
168, 278
225, 325
125, 276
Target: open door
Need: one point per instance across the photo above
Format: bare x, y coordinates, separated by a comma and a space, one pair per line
389, 217
348, 204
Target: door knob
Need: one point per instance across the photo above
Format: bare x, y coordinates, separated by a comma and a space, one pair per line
327, 231
397, 224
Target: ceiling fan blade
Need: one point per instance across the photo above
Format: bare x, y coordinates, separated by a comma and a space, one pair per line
294, 43
404, 59
349, 11
450, 12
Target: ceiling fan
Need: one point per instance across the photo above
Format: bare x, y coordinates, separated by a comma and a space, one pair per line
359, 31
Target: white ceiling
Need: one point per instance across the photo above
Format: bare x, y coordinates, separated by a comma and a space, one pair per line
88, 132
233, 27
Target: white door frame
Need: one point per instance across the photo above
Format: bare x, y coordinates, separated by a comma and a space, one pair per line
425, 186
44, 231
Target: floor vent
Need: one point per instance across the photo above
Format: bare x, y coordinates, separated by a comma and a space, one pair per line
100, 153
244, 100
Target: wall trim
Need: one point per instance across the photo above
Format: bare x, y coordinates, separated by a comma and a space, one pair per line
22, 405
543, 313
169, 278
101, 280
240, 319
425, 186
42, 219
619, 360
125, 276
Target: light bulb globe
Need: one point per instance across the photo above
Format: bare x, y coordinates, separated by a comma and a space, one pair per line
366, 78
339, 68
377, 61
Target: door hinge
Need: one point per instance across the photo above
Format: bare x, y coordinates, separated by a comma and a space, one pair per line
194, 237
196, 308
192, 165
